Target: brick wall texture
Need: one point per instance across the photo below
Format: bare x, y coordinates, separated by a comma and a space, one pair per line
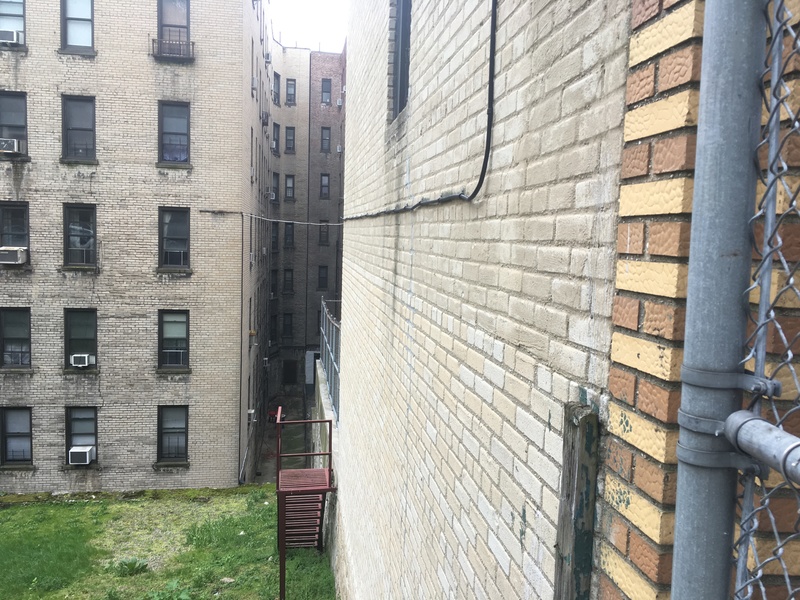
127, 291
466, 327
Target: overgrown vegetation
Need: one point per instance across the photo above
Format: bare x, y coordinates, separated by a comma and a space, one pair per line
159, 545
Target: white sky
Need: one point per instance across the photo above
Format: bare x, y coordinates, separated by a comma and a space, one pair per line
314, 24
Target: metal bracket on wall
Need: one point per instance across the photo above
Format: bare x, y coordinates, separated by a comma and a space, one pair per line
731, 381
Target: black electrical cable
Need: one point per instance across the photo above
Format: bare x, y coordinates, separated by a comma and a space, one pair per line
486, 152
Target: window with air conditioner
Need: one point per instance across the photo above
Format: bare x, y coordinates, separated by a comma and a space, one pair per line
16, 441
173, 339
78, 124
173, 30
13, 124
173, 425
81, 434
80, 343
80, 236
12, 23
173, 132
173, 239
77, 26
15, 338
13, 233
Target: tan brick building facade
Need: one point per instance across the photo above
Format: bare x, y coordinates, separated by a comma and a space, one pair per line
136, 190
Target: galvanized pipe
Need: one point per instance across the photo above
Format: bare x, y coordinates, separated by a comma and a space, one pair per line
765, 442
719, 268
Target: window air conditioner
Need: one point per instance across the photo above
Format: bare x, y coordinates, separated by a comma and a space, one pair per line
344, 89
339, 102
10, 38
273, 144
268, 57
272, 196
339, 148
9, 146
254, 84
82, 455
81, 360
13, 256
266, 362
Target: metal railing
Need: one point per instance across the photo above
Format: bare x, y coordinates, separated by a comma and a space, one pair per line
330, 330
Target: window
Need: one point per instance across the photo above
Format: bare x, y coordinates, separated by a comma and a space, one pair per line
173, 239
276, 186
276, 138
81, 337
288, 280
273, 328
172, 433
288, 235
274, 237
322, 279
323, 233
15, 337
290, 187
81, 427
79, 235
16, 430
173, 339
291, 91
326, 139
13, 118
273, 282
173, 132
401, 58
324, 186
173, 28
13, 225
12, 17
287, 325
289, 375
326, 91
78, 128
290, 139
76, 25
276, 89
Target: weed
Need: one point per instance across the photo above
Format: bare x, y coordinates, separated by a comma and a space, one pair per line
172, 591
128, 567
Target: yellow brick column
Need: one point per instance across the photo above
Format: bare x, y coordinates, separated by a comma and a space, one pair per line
639, 463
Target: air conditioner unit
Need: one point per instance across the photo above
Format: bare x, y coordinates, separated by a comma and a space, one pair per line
252, 174
264, 118
273, 144
82, 455
252, 258
81, 360
13, 256
273, 196
339, 102
254, 83
273, 296
266, 362
339, 148
10, 38
344, 89
9, 146
268, 57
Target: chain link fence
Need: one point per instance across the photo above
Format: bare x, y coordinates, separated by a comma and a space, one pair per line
330, 334
767, 548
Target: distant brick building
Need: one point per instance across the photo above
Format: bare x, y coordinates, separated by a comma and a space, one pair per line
133, 188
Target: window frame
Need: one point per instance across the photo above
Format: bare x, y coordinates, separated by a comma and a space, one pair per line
5, 208
288, 235
275, 237
70, 341
322, 279
69, 433
22, 351
276, 88
288, 281
291, 99
326, 99
21, 137
162, 238
185, 364
65, 129
324, 233
401, 57
161, 25
162, 104
324, 186
16, 16
276, 138
325, 140
5, 435
161, 455
287, 325
70, 49
290, 147
288, 193
68, 208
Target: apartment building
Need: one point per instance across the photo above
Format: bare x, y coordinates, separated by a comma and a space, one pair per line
133, 242
305, 208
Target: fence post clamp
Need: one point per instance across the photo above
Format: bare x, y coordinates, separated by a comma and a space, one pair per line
731, 381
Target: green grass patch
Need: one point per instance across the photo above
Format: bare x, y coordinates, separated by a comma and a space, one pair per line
157, 545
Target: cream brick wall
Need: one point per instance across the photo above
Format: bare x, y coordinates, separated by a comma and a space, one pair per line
467, 327
127, 188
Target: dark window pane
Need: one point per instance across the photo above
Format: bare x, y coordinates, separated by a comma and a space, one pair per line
14, 226
174, 238
80, 243
15, 333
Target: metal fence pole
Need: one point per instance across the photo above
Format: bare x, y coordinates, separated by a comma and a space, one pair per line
719, 268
